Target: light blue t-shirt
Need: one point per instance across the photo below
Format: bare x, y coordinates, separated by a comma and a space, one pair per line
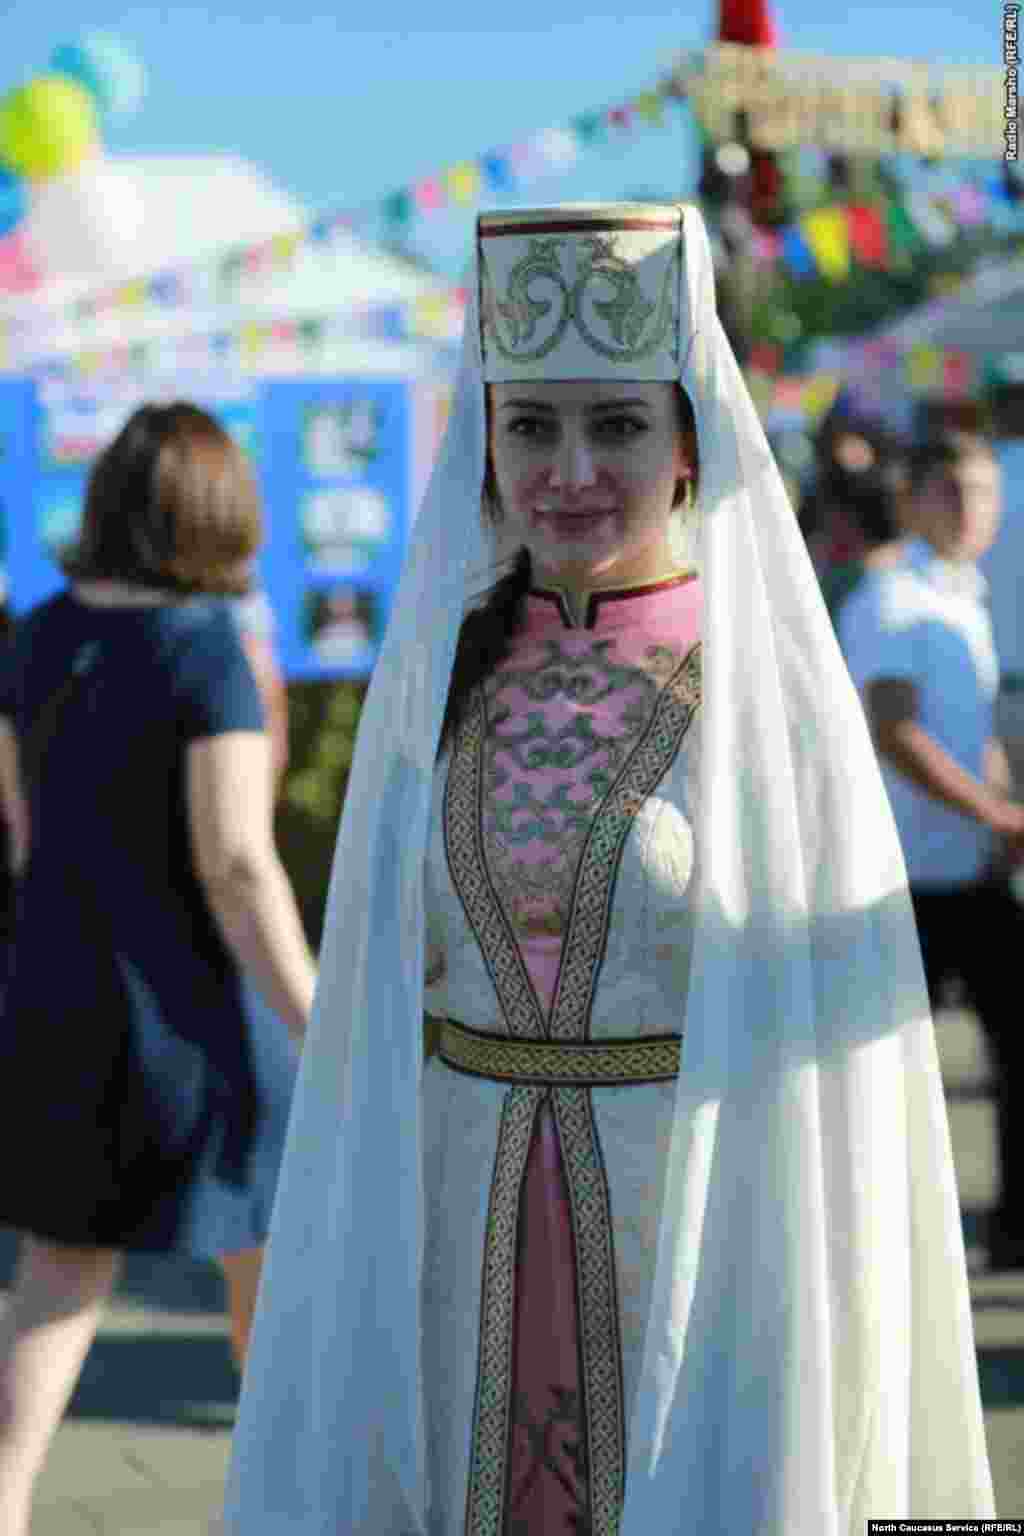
927, 620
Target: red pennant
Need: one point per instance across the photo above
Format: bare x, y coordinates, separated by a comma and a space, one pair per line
867, 235
956, 375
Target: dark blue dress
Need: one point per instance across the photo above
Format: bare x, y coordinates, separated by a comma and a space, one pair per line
144, 1086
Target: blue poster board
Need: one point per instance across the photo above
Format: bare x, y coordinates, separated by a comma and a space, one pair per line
60, 438
18, 464
336, 472
335, 462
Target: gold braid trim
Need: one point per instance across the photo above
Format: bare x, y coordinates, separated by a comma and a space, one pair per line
553, 1063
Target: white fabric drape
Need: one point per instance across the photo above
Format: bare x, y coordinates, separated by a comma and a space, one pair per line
809, 1359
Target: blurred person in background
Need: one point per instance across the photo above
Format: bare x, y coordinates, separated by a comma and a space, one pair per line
865, 485
143, 1100
918, 641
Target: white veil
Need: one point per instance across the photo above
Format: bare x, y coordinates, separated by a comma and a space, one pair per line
809, 1357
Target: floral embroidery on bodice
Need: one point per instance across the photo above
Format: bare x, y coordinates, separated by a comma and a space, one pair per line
564, 712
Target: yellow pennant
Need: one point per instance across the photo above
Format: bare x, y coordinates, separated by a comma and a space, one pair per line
819, 393
924, 367
826, 233
650, 106
284, 248
463, 183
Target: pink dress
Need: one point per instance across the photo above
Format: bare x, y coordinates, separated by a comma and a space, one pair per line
559, 768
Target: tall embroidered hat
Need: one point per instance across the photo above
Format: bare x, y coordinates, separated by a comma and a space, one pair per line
584, 291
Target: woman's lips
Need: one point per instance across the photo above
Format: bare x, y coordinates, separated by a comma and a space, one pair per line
573, 522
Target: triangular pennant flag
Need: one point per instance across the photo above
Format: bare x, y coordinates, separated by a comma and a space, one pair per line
902, 233
429, 194
796, 253
649, 106
463, 183
867, 235
932, 224
970, 204
398, 208
497, 172
826, 234
924, 368
957, 380
588, 128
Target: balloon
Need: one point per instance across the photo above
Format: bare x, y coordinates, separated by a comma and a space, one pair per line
109, 70
47, 127
19, 273
87, 224
12, 201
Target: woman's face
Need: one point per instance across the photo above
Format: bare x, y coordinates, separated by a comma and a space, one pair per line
587, 472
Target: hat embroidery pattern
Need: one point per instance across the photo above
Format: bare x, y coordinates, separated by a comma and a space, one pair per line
626, 315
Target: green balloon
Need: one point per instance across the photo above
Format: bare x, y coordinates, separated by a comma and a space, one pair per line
47, 128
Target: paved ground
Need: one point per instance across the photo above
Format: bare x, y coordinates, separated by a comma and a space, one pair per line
145, 1447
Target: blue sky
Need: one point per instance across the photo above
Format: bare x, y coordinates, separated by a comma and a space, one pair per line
342, 109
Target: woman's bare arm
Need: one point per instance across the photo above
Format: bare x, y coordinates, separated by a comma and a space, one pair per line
13, 804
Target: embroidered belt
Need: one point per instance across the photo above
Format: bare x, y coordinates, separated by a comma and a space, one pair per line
552, 1063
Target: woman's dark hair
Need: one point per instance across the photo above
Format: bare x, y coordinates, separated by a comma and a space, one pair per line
943, 450
170, 503
486, 634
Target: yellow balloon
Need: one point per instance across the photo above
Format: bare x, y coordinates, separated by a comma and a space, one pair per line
47, 128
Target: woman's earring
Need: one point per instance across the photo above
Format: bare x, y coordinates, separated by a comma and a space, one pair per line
491, 506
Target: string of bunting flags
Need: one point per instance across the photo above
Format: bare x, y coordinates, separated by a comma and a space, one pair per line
824, 241
244, 270
283, 345
885, 234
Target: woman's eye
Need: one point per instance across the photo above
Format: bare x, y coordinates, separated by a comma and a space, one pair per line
621, 426
527, 426
614, 428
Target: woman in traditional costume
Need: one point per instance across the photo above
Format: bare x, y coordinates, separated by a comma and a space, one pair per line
665, 1236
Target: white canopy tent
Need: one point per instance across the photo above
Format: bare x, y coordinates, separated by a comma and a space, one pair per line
120, 219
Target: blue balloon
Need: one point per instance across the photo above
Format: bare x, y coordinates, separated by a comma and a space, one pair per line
13, 202
72, 60
108, 69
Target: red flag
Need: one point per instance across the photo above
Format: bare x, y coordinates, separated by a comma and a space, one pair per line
748, 21
867, 235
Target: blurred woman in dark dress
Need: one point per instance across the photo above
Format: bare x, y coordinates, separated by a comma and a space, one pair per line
144, 1085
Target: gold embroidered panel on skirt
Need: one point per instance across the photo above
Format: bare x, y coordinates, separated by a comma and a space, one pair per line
626, 771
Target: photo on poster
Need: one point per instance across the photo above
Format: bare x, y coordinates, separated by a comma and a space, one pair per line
342, 438
345, 528
60, 519
341, 624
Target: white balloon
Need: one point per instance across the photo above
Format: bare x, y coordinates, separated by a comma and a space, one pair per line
86, 224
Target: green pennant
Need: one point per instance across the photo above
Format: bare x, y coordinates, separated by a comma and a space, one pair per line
903, 233
231, 269
398, 208
589, 127
310, 332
